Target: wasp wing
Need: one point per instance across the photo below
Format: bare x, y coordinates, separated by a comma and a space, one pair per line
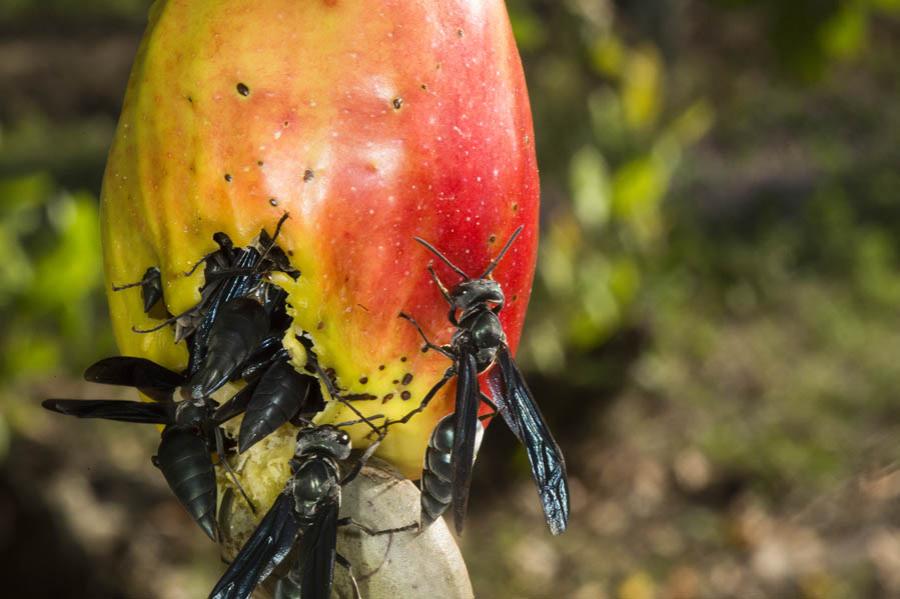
519, 410
155, 381
464, 434
318, 547
264, 550
220, 288
114, 409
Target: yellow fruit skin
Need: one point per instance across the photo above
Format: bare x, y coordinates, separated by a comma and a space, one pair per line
369, 123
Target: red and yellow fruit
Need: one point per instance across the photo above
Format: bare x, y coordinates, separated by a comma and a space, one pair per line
369, 123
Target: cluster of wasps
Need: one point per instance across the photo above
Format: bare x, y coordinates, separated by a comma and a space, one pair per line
235, 333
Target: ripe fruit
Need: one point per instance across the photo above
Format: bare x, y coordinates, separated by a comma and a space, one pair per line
369, 126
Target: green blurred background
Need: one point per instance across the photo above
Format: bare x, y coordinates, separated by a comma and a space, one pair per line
714, 334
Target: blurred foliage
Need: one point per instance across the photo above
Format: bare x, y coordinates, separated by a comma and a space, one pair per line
606, 179
80, 10
50, 278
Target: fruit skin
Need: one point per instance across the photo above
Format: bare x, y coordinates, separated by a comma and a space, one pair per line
369, 123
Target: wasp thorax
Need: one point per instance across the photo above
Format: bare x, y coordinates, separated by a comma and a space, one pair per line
312, 481
222, 240
191, 413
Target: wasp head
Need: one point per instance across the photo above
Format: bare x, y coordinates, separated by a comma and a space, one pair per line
324, 439
475, 293
223, 240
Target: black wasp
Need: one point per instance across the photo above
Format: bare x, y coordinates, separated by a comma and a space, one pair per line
477, 343
191, 431
307, 509
240, 319
232, 273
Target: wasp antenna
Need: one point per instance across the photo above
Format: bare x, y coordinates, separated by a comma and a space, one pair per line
358, 420
443, 258
275, 235
335, 395
148, 275
502, 253
281, 220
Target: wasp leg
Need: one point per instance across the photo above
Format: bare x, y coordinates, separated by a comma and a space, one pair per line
348, 521
344, 562
370, 450
168, 321
449, 374
225, 508
428, 343
491, 405
440, 285
223, 461
335, 394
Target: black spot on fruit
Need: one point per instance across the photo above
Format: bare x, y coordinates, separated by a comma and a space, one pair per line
243, 89
308, 175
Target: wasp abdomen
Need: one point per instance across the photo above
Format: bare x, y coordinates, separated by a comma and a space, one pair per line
437, 475
183, 458
278, 398
240, 327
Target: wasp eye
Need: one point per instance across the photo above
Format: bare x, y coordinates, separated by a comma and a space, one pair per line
344, 438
